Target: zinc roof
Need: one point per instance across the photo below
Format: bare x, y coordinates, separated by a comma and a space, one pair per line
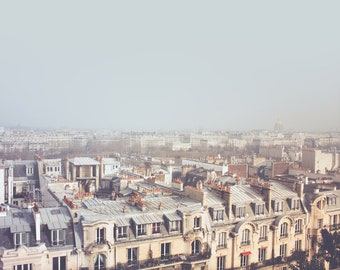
83, 161
147, 219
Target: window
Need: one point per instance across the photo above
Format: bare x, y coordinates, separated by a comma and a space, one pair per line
58, 237
262, 254
244, 260
174, 225
298, 244
320, 204
26, 266
259, 209
245, 237
240, 211
298, 226
21, 238
218, 215
331, 200
100, 235
156, 227
334, 222
141, 229
221, 263
132, 256
197, 223
278, 207
165, 251
320, 223
99, 262
222, 240
284, 230
122, 232
195, 247
283, 250
29, 171
59, 263
263, 233
295, 204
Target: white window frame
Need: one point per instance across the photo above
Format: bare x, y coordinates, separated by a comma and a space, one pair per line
132, 256
21, 238
298, 226
245, 240
165, 250
58, 237
244, 260
222, 240
263, 233
262, 254
100, 235
283, 250
284, 230
121, 232
221, 262
197, 223
141, 229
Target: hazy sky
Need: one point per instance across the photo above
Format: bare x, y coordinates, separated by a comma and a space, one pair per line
161, 65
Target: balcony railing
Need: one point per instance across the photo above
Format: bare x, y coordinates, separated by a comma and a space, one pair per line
245, 243
334, 227
168, 260
283, 235
263, 238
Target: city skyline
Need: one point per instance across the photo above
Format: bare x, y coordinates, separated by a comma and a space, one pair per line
156, 66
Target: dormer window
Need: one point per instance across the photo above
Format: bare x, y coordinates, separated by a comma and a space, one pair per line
174, 225
295, 204
156, 227
239, 211
217, 214
258, 208
141, 229
58, 237
21, 238
278, 206
122, 232
29, 171
331, 200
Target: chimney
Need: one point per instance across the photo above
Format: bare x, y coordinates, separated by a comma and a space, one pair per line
267, 192
226, 195
37, 219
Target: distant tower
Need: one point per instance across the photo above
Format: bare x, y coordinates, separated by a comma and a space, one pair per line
278, 127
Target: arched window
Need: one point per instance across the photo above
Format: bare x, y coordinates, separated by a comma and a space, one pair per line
245, 240
284, 229
100, 262
195, 247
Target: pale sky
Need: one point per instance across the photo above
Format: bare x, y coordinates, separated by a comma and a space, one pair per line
170, 65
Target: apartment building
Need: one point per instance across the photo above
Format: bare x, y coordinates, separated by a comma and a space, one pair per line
210, 224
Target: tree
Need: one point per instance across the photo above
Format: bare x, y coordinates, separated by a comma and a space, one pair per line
299, 261
330, 248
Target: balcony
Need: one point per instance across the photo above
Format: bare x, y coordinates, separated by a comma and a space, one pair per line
334, 227
245, 243
283, 235
263, 238
171, 260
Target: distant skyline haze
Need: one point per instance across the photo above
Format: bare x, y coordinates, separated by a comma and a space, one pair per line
176, 65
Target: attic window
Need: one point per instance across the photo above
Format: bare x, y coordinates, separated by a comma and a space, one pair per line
217, 215
331, 200
239, 211
258, 208
294, 204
